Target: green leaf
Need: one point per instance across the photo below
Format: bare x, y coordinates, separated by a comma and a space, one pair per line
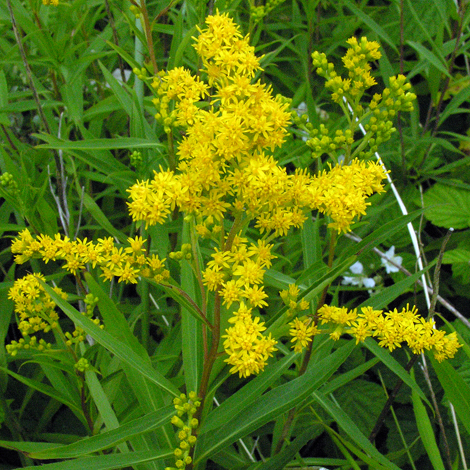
105, 440
432, 58
108, 462
363, 400
284, 457
385, 297
387, 359
191, 327
427, 433
448, 206
101, 218
373, 25
46, 389
460, 261
454, 106
456, 389
102, 144
113, 344
379, 235
267, 407
346, 423
247, 395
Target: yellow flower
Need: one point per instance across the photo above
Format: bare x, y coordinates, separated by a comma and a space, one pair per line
302, 332
248, 349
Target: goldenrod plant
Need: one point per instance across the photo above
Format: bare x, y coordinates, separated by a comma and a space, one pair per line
184, 285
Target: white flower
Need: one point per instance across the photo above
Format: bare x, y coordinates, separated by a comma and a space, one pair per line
390, 254
356, 268
357, 277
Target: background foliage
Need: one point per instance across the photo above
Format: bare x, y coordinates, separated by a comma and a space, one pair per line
70, 119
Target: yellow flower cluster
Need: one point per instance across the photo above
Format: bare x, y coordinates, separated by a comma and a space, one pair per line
126, 263
30, 297
50, 2
342, 192
248, 349
302, 331
223, 170
237, 276
36, 313
391, 329
185, 406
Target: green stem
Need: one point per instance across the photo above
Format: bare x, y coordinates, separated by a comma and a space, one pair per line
148, 35
145, 297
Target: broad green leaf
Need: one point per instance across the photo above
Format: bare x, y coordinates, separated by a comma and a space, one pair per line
364, 400
267, 407
448, 206
460, 261
427, 433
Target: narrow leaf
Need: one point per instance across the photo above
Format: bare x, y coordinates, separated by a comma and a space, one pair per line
427, 433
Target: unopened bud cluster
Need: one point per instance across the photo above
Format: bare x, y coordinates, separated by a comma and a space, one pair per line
186, 407
8, 183
348, 92
289, 297
136, 159
185, 253
79, 334
135, 10
165, 116
257, 13
141, 73
82, 365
